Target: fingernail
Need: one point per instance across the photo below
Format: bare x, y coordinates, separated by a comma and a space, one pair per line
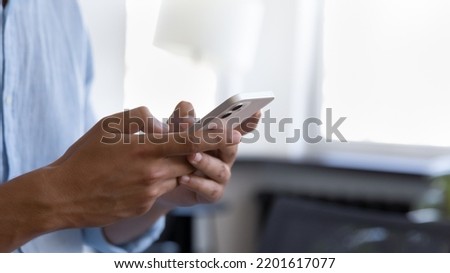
197, 158
212, 126
184, 179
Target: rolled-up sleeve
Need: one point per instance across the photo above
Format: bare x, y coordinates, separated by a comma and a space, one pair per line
95, 239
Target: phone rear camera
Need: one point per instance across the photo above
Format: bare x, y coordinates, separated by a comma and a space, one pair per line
237, 107
226, 115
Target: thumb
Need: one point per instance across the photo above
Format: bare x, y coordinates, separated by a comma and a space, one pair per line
182, 117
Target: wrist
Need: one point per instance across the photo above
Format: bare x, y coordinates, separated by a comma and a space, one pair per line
26, 210
128, 230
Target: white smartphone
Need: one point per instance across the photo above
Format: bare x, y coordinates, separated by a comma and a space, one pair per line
233, 111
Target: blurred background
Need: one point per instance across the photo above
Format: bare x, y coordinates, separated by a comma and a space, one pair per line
383, 65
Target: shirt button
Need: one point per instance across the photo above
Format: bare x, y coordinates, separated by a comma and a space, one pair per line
8, 100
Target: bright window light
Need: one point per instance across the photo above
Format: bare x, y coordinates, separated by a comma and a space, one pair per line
387, 68
158, 79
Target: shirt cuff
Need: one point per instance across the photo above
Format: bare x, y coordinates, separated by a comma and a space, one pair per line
95, 238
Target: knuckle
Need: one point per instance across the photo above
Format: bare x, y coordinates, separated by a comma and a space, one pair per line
215, 195
152, 173
152, 193
224, 173
143, 111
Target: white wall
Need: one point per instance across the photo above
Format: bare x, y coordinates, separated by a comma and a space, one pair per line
106, 22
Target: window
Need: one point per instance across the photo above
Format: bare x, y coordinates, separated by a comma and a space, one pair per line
387, 68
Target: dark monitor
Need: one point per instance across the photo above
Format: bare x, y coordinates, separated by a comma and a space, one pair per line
302, 226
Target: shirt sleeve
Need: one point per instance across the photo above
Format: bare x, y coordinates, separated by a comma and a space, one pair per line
95, 239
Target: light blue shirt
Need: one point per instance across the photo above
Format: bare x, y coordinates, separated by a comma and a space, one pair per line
46, 70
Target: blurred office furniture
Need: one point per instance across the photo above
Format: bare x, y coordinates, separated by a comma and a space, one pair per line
297, 224
180, 235
319, 207
221, 33
279, 206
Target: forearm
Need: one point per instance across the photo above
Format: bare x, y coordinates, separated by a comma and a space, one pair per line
130, 229
25, 211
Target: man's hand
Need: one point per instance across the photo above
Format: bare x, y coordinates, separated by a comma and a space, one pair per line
213, 168
97, 183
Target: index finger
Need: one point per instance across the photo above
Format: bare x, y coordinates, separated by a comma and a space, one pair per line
131, 121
